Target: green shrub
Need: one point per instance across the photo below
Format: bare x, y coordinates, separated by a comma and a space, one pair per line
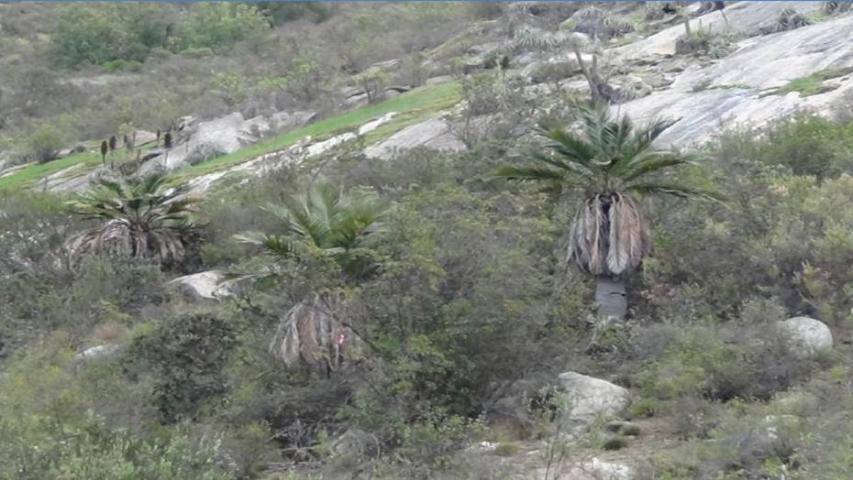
280, 12
217, 25
108, 33
44, 143
186, 356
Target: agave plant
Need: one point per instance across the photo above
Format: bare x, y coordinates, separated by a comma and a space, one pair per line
610, 160
139, 218
326, 221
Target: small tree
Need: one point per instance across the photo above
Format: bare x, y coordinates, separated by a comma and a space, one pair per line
600, 90
609, 161
139, 218
328, 222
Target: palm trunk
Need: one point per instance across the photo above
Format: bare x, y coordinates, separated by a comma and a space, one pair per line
611, 299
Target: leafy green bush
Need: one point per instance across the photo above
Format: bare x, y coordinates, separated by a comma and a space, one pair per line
121, 36
108, 33
281, 12
44, 143
217, 25
186, 355
63, 419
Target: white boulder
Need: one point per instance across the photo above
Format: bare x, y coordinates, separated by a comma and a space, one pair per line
806, 336
587, 399
434, 133
210, 285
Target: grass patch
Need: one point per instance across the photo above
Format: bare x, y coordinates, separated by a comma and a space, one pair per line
416, 104
27, 176
813, 84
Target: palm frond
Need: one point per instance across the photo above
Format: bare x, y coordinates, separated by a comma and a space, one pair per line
529, 174
141, 218
677, 190
323, 218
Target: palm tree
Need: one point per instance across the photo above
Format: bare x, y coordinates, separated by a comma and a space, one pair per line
342, 226
610, 160
140, 218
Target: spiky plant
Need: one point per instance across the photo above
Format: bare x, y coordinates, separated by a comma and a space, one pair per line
139, 218
610, 160
321, 221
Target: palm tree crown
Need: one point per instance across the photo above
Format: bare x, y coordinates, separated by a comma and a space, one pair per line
339, 225
141, 218
342, 226
608, 159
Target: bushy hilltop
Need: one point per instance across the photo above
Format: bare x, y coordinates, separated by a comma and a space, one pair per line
284, 241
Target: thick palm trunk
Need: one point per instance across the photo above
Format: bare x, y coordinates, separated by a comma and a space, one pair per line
611, 300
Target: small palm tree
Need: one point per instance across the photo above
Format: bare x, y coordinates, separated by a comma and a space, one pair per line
610, 160
327, 222
140, 218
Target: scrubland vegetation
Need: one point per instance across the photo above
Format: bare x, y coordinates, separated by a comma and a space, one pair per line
445, 289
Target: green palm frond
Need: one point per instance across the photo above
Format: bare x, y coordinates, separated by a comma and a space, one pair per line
677, 190
530, 174
651, 163
324, 219
140, 218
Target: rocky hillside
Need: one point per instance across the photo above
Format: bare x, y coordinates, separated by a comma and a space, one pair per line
758, 77
261, 241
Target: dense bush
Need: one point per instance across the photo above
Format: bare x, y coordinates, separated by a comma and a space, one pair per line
187, 356
97, 35
120, 35
217, 25
44, 143
280, 12
59, 422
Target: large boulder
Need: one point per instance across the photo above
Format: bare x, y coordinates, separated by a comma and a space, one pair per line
806, 336
97, 351
202, 141
434, 133
594, 469
588, 399
210, 285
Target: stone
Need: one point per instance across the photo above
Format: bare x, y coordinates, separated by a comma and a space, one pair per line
210, 285
739, 90
97, 351
594, 469
143, 137
806, 336
743, 18
433, 133
439, 79
587, 399
355, 444
631, 87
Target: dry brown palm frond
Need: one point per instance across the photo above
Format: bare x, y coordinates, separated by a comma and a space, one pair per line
608, 236
309, 334
119, 239
587, 236
629, 236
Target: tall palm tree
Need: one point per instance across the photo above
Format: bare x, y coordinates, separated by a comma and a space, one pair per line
342, 226
140, 218
610, 160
